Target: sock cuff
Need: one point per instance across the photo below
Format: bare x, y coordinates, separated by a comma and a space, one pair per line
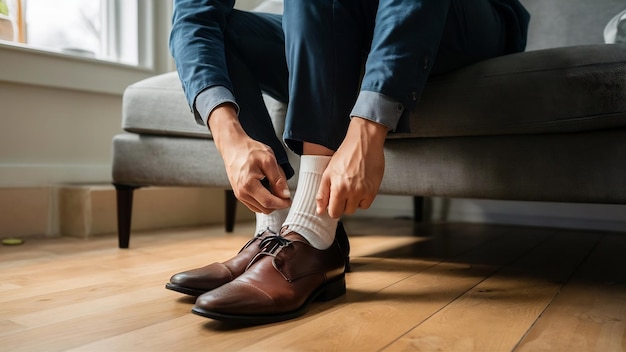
314, 163
273, 220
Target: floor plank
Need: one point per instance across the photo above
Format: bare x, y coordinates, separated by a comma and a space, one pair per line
418, 287
589, 314
371, 274
505, 304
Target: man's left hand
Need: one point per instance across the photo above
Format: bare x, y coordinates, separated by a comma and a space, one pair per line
355, 172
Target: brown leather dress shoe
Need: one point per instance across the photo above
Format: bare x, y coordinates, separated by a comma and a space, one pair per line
279, 283
200, 280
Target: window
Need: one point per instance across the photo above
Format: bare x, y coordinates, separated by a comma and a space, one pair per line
120, 42
101, 29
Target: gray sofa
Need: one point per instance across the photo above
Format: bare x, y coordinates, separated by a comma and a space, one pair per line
545, 125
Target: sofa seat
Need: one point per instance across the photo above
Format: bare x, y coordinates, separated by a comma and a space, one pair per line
544, 125
514, 94
551, 99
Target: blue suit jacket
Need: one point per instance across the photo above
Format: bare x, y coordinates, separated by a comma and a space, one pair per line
197, 44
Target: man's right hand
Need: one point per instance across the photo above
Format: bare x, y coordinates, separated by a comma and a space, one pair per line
247, 163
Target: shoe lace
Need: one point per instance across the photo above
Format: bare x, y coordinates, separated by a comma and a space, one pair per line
271, 244
256, 237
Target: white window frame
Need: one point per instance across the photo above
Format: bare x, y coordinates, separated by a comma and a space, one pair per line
26, 65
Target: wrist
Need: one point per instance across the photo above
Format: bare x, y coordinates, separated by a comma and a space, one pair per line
224, 125
375, 132
221, 115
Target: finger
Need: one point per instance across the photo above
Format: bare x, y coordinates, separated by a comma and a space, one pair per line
245, 197
250, 206
263, 199
366, 203
255, 196
281, 186
336, 205
277, 181
256, 206
351, 206
323, 195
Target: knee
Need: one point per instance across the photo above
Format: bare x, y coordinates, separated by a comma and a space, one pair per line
302, 14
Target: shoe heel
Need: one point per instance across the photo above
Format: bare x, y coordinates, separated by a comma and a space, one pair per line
333, 290
348, 267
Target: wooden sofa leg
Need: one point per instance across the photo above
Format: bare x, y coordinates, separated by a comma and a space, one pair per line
124, 195
231, 210
418, 209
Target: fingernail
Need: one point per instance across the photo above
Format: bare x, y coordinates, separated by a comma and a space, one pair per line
286, 193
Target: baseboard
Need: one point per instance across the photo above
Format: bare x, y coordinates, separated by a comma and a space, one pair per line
25, 211
88, 210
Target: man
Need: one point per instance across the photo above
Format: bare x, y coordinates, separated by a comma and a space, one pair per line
339, 114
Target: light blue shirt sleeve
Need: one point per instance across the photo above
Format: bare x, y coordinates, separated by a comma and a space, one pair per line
209, 99
379, 108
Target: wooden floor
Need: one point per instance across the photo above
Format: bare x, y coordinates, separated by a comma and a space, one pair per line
441, 287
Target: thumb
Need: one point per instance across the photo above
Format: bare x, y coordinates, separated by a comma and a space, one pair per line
281, 189
323, 195
277, 182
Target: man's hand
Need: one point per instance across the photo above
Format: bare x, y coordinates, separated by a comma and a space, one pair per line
248, 162
354, 174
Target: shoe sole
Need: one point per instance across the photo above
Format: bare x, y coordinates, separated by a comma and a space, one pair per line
329, 291
185, 290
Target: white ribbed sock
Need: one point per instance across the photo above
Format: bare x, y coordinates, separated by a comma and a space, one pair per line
319, 230
272, 221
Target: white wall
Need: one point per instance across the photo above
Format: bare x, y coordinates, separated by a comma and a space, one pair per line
57, 117
58, 113
52, 135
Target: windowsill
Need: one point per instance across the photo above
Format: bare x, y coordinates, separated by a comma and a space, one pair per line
22, 64
65, 55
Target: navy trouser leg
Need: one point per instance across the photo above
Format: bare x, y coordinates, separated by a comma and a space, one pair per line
326, 46
255, 55
473, 31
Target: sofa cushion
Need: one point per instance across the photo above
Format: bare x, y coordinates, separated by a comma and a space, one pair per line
553, 90
157, 106
564, 89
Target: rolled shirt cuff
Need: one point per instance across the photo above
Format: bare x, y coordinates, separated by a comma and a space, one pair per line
379, 108
209, 99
